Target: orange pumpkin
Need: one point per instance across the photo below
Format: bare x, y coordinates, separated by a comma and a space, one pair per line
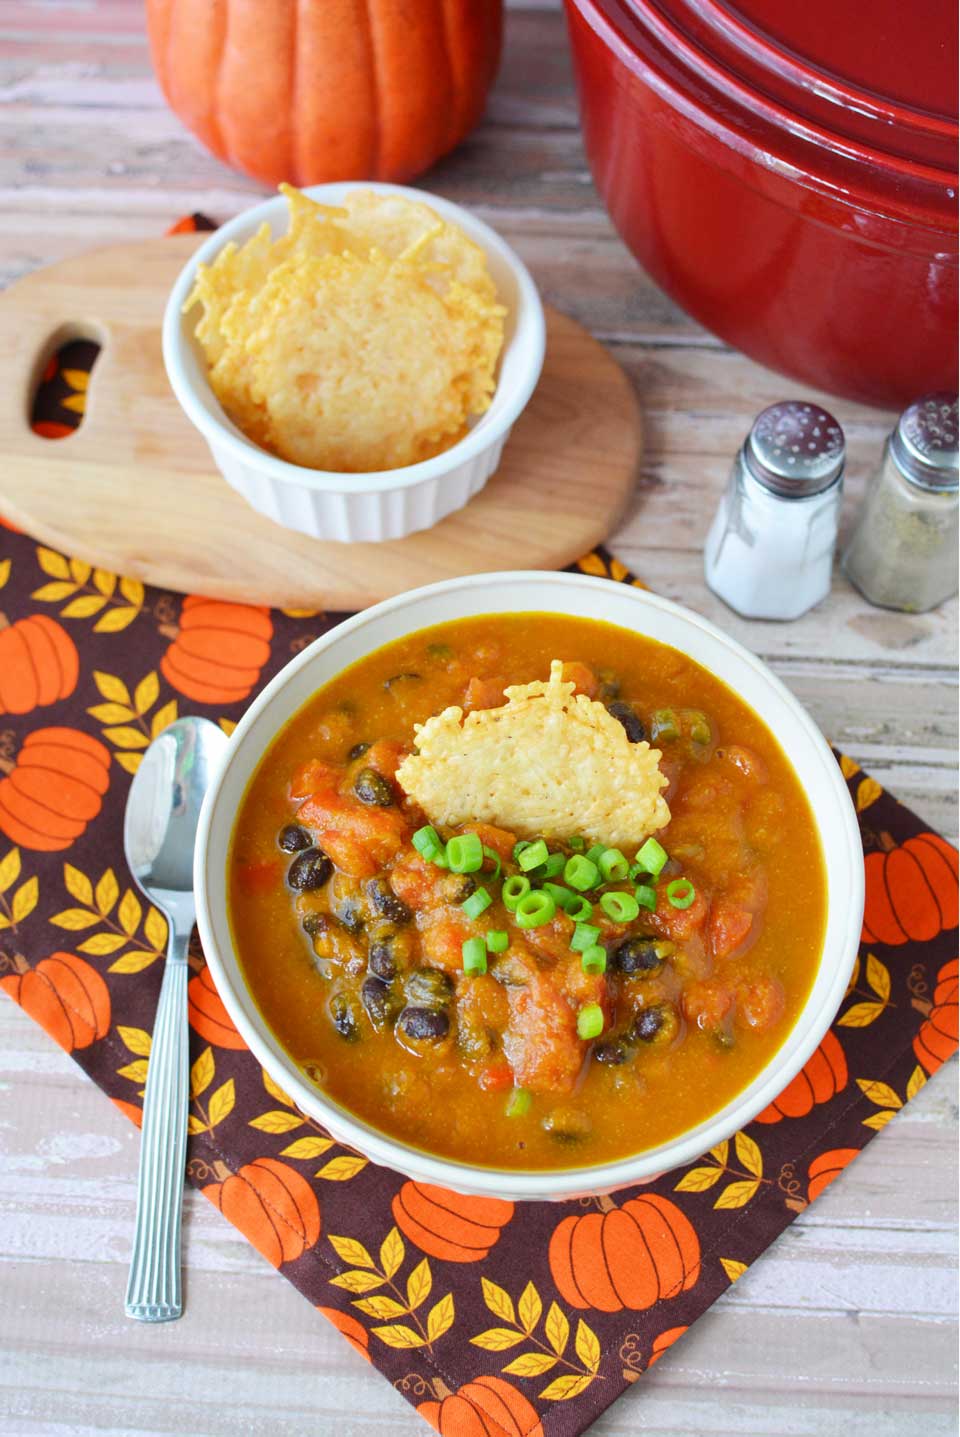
208, 1016
273, 1206
218, 651
485, 1407
447, 1225
55, 788
937, 1038
65, 995
315, 91
632, 1256
662, 1343
823, 1076
39, 664
911, 891
354, 1331
825, 1168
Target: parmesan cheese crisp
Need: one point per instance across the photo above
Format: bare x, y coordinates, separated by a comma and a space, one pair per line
550, 763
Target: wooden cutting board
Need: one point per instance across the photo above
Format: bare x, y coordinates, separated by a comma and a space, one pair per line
134, 489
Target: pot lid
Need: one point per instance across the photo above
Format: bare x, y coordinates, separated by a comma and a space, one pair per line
881, 77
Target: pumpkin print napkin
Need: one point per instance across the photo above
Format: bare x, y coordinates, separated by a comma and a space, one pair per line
491, 1318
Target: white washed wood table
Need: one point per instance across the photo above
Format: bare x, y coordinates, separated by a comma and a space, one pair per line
848, 1324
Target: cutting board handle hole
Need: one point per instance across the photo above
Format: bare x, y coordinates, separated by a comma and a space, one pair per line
61, 379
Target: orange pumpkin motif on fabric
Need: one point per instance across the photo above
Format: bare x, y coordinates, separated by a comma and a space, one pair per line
208, 1016
218, 650
39, 664
64, 994
826, 1167
317, 91
628, 1257
911, 891
54, 789
354, 1331
446, 1225
938, 1035
823, 1076
485, 1407
663, 1343
273, 1206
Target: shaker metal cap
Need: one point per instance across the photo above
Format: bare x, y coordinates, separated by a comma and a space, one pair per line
924, 443
795, 449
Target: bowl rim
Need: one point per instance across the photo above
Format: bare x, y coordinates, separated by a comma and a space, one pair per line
556, 1183
529, 338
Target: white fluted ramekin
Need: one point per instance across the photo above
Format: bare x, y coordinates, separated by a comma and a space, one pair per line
390, 503
533, 593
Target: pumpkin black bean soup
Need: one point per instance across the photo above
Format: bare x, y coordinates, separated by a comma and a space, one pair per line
527, 891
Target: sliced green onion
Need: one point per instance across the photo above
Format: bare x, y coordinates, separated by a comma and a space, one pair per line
533, 855
489, 853
651, 857
635, 872
476, 903
474, 952
621, 907
498, 940
594, 959
577, 844
613, 866
590, 1022
646, 896
581, 873
465, 853
519, 1103
561, 896
580, 909
513, 890
681, 893
700, 730
554, 865
535, 909
427, 841
594, 853
519, 847
440, 858
663, 724
584, 937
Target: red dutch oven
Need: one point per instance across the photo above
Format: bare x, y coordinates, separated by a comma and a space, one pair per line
786, 170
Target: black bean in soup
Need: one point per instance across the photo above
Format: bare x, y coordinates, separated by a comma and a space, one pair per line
310, 869
626, 715
373, 789
292, 838
425, 1023
385, 901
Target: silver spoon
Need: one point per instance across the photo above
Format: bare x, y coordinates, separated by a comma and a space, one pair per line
159, 833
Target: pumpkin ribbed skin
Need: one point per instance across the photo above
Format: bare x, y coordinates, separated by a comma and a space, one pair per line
825, 1167
55, 788
485, 1407
273, 1206
820, 1079
65, 995
39, 664
911, 891
218, 651
629, 1257
447, 1225
208, 1016
318, 90
937, 1038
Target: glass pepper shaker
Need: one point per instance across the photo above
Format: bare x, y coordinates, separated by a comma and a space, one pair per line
769, 553
903, 551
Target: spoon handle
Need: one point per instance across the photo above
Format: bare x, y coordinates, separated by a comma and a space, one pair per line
153, 1288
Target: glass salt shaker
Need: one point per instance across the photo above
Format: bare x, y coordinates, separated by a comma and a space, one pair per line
903, 551
769, 553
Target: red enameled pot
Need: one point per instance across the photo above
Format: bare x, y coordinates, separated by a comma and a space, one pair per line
787, 172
